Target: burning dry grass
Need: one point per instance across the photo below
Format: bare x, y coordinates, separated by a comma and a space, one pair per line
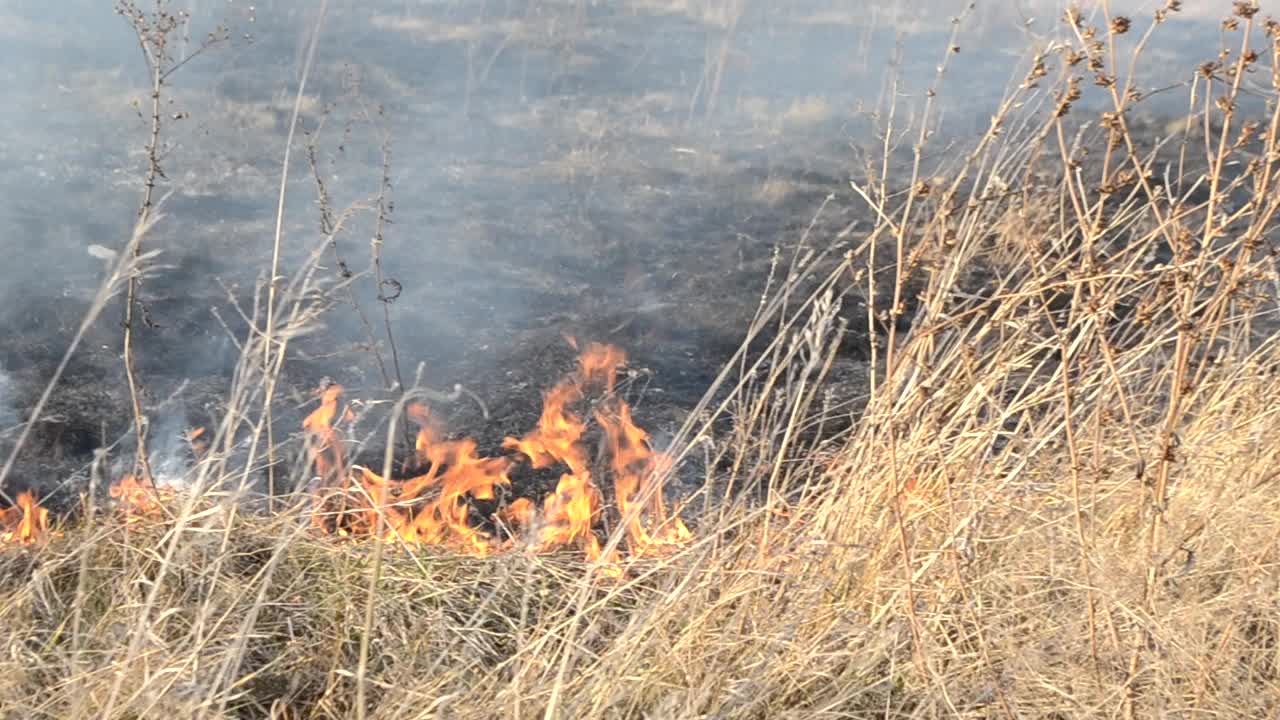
356, 501
25, 522
1059, 501
767, 614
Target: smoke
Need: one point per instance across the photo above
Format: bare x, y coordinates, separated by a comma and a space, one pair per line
618, 169
8, 415
170, 451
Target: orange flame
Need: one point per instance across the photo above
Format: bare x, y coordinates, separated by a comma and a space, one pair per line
635, 469
451, 466
434, 507
24, 523
325, 449
140, 499
519, 514
569, 512
199, 442
324, 443
599, 364
458, 471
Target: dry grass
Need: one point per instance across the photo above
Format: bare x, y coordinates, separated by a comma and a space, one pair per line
1059, 501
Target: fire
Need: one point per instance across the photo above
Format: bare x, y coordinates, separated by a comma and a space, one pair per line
324, 443
24, 523
449, 479
458, 471
635, 469
570, 511
434, 507
450, 468
198, 439
324, 446
599, 365
140, 498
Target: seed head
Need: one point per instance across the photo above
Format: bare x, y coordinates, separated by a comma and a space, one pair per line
1245, 9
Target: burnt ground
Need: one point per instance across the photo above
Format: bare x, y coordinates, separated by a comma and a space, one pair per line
679, 308
553, 174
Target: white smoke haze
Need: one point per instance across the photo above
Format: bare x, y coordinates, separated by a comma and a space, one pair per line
612, 169
8, 415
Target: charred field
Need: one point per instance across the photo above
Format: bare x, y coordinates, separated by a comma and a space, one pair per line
617, 220
707, 359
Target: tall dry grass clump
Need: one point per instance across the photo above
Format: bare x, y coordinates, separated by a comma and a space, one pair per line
1059, 499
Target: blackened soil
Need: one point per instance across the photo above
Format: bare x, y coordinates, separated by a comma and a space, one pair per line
553, 174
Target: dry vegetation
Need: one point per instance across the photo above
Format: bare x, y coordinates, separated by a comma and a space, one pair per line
1059, 501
